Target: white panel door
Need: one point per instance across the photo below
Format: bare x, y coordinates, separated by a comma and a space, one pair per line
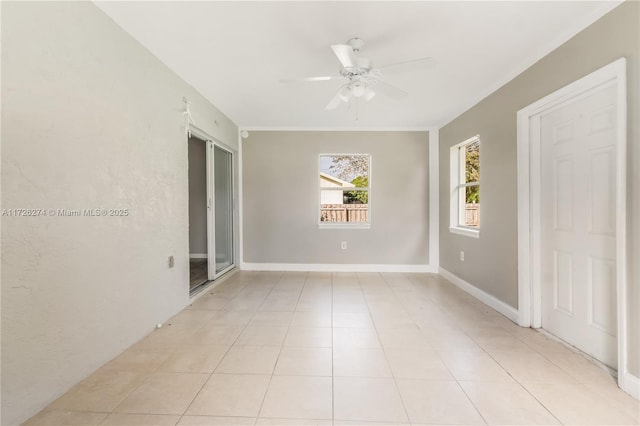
578, 223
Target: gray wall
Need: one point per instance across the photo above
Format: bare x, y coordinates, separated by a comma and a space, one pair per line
197, 196
89, 119
491, 261
281, 198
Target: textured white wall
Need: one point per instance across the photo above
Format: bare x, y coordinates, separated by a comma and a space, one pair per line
90, 119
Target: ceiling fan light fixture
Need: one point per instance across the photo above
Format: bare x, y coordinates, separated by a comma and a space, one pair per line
369, 93
356, 43
359, 90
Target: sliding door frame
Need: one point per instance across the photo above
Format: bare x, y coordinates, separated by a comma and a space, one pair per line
212, 142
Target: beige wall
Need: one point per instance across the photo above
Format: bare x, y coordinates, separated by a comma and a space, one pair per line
281, 198
197, 196
89, 119
491, 261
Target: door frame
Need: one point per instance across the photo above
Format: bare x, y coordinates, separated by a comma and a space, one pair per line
529, 216
215, 143
211, 241
202, 135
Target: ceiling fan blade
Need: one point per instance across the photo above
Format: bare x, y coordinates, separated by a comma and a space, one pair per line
342, 95
412, 65
369, 93
345, 55
391, 91
312, 79
334, 102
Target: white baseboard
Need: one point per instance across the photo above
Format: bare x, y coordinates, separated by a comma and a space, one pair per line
631, 385
335, 267
497, 304
198, 255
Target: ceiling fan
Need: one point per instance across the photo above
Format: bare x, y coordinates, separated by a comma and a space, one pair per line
362, 80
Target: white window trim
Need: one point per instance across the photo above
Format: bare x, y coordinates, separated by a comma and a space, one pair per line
456, 175
464, 230
338, 225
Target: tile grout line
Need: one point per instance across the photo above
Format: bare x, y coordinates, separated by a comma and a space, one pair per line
221, 358
157, 369
470, 401
333, 382
526, 390
445, 365
229, 349
278, 357
444, 311
455, 379
375, 327
395, 379
535, 351
264, 397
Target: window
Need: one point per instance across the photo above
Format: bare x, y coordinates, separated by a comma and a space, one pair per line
465, 188
344, 190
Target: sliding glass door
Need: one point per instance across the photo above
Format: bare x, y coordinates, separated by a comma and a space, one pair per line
223, 250
200, 271
211, 210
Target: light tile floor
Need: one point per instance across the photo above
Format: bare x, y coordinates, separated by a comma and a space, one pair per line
270, 348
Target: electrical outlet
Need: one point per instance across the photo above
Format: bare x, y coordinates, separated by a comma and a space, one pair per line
343, 245
461, 256
172, 262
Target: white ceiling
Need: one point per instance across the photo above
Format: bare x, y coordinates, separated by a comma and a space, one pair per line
235, 53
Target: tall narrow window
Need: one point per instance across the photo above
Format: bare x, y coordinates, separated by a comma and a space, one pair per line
465, 187
345, 190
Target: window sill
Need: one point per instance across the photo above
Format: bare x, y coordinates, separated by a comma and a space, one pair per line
333, 225
469, 232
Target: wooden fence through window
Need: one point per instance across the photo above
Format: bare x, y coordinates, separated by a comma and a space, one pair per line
472, 214
358, 213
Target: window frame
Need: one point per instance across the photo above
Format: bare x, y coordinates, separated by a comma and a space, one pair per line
458, 186
344, 225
